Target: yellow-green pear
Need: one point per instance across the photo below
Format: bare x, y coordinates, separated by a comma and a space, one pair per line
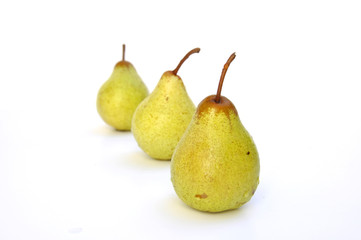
161, 119
120, 95
215, 166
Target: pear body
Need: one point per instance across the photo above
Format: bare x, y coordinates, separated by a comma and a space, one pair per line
215, 166
120, 95
161, 119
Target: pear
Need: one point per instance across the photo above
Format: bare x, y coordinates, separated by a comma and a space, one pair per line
215, 166
120, 95
161, 119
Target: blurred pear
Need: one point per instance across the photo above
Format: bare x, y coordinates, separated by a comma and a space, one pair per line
120, 95
161, 119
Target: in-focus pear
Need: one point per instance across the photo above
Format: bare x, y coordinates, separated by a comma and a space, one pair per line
120, 95
161, 119
215, 167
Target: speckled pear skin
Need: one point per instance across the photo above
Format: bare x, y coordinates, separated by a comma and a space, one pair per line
161, 119
120, 95
215, 166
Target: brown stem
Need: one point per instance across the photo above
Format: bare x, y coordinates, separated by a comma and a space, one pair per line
196, 50
225, 68
123, 52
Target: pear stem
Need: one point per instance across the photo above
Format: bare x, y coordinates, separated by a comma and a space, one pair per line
123, 52
195, 50
225, 68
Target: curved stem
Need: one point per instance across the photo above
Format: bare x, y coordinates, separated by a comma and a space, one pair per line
195, 50
123, 52
225, 68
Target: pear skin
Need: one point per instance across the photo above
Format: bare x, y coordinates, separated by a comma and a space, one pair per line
120, 95
215, 166
161, 119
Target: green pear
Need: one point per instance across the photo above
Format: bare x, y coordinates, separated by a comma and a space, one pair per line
120, 95
215, 166
161, 119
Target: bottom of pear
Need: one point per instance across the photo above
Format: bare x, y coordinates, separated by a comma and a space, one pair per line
125, 127
211, 201
159, 158
122, 129
215, 210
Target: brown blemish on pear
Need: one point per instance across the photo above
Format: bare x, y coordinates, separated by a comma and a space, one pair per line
201, 196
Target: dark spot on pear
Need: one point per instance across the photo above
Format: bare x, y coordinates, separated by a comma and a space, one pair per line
166, 98
201, 196
248, 153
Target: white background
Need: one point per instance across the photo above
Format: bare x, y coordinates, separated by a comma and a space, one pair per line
295, 83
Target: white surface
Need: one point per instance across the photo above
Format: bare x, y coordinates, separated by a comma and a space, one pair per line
295, 83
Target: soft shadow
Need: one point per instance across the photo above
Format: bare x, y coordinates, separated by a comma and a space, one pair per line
177, 209
140, 160
107, 131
